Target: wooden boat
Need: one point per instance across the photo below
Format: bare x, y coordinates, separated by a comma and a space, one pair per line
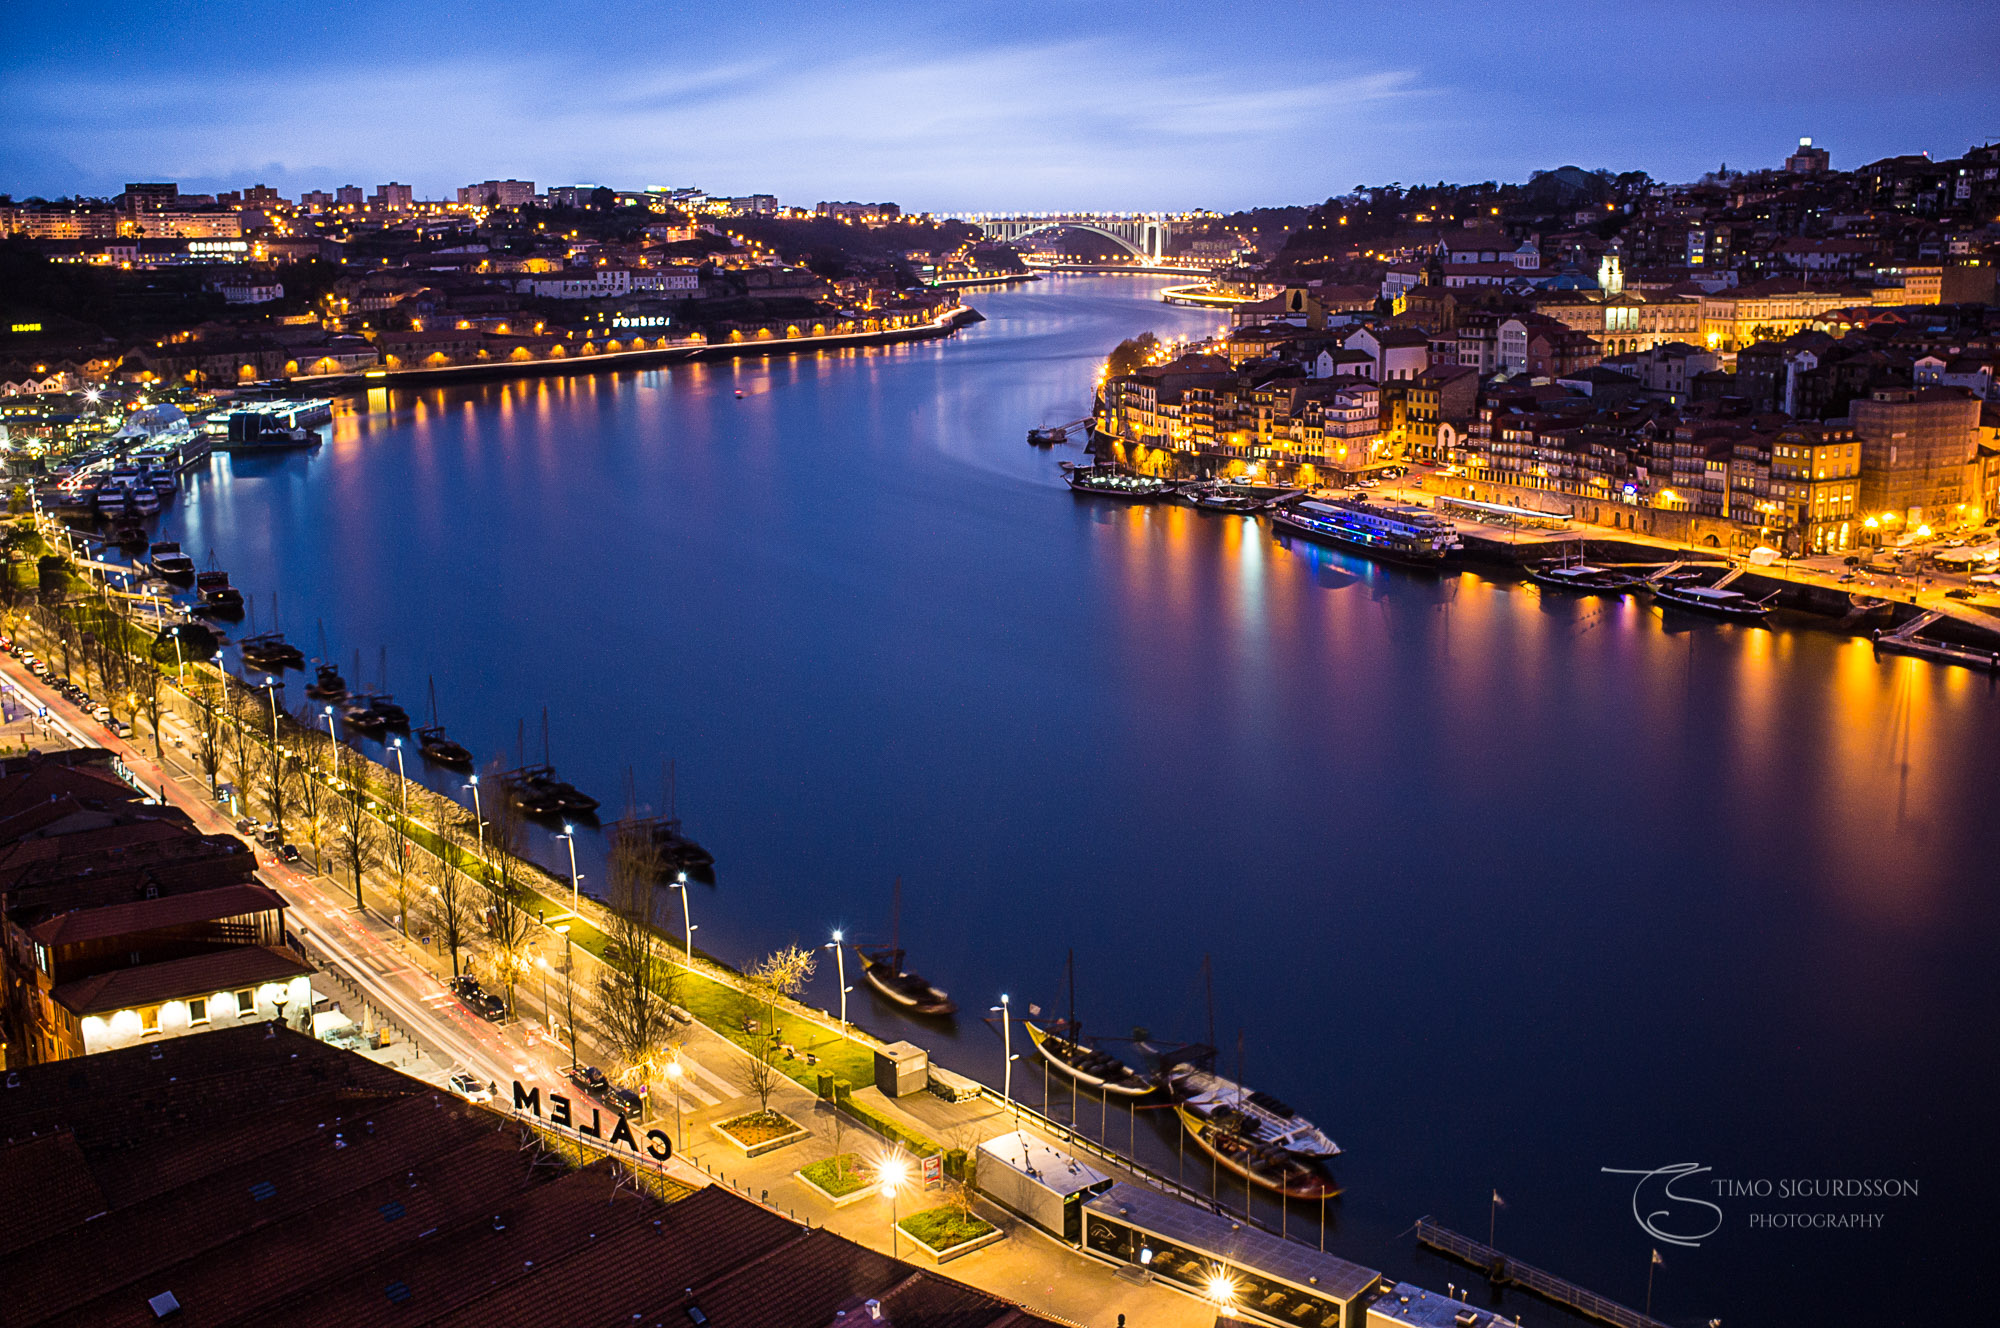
1063, 1045
1715, 602
438, 749
1574, 574
882, 965
1087, 1064
1252, 1134
1115, 482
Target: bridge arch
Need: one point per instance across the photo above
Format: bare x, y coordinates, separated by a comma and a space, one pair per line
1142, 237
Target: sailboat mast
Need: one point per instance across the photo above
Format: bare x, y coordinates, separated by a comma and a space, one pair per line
896, 926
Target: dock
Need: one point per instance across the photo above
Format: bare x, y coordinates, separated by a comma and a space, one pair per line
1505, 1271
1906, 640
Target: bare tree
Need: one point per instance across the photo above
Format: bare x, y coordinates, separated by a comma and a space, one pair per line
637, 985
245, 753
777, 976
448, 904
280, 778
146, 686
209, 724
507, 919
312, 794
357, 836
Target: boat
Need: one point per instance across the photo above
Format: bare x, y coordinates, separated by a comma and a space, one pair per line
129, 536
1047, 437
1582, 577
882, 966
161, 480
270, 652
359, 714
1252, 1134
1062, 1045
168, 561
1116, 482
111, 501
436, 748
1867, 606
678, 852
1395, 532
143, 501
327, 684
1222, 497
536, 790
1714, 601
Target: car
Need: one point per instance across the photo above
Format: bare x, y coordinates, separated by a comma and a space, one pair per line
624, 1101
6, 643
267, 835
488, 1007
587, 1077
102, 714
119, 727
39, 669
245, 826
469, 1087
289, 853
1417, 483
1956, 593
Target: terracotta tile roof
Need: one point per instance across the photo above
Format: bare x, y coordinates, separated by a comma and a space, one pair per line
197, 975
141, 915
267, 1179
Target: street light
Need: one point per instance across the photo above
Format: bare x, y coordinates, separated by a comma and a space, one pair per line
479, 817
674, 1073
271, 690
569, 992
1005, 1010
890, 1174
680, 883
334, 739
569, 834
840, 966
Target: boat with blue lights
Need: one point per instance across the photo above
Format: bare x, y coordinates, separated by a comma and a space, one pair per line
1394, 532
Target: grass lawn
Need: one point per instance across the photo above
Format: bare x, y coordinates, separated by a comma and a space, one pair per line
943, 1227
840, 1175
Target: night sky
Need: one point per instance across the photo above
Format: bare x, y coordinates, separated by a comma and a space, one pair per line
951, 107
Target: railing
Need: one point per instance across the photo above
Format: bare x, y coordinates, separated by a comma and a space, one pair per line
1500, 1268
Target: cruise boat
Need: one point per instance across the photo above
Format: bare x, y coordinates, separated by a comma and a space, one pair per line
1395, 532
1117, 482
1715, 602
143, 499
1252, 1134
168, 561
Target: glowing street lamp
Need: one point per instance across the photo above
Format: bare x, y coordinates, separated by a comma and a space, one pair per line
478, 817
333, 740
1005, 1010
680, 883
840, 967
1221, 1288
891, 1173
569, 835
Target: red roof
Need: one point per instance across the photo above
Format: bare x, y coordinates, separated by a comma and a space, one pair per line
197, 975
142, 915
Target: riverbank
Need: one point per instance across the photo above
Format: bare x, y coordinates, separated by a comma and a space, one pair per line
347, 384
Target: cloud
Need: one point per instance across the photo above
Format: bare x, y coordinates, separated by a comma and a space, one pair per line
1028, 125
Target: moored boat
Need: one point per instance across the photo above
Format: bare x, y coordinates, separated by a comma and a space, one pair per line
327, 684
169, 561
1582, 577
1253, 1134
437, 748
270, 652
1103, 481
1087, 1064
1395, 532
882, 965
1715, 602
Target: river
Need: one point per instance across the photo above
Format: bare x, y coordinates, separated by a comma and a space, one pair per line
1501, 888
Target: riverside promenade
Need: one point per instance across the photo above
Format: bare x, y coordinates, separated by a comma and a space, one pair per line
386, 979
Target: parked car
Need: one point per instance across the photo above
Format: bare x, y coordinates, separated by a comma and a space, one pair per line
465, 986
102, 714
245, 826
587, 1077
39, 669
624, 1101
1956, 593
488, 1007
6, 643
470, 1088
268, 836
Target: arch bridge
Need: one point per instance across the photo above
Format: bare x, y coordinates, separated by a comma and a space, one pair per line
1142, 236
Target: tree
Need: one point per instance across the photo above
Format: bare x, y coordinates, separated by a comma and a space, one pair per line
311, 792
280, 778
146, 686
246, 754
208, 724
448, 908
357, 835
1131, 355
637, 985
778, 976
507, 920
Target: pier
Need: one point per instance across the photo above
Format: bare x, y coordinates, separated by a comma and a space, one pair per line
1906, 640
1504, 1271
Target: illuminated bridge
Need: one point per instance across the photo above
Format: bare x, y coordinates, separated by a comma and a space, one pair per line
1144, 235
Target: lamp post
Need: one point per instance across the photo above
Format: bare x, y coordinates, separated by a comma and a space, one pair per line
478, 817
680, 883
840, 969
569, 992
1005, 1010
674, 1073
891, 1174
271, 690
569, 835
333, 739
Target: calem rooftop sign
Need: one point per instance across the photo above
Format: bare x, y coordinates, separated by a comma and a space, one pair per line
529, 1102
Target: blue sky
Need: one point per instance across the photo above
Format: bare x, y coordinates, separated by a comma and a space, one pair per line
1026, 105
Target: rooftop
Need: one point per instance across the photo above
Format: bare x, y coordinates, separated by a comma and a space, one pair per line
197, 975
1251, 1248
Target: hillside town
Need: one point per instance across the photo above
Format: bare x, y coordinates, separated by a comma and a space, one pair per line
1796, 358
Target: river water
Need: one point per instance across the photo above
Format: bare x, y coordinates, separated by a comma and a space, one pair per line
1502, 889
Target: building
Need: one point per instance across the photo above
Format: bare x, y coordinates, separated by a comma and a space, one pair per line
1406, 1306
1918, 445
261, 1176
498, 193
1808, 160
391, 197
122, 925
250, 287
1815, 486
1735, 317
1256, 1277
348, 198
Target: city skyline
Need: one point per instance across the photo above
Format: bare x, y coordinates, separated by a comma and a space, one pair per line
957, 111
